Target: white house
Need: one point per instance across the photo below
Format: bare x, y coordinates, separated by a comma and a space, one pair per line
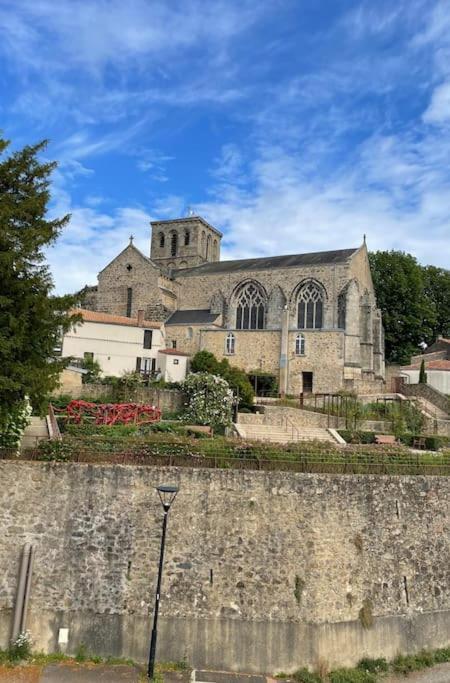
173, 364
118, 343
121, 344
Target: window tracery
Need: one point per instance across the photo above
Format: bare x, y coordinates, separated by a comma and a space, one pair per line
250, 307
310, 306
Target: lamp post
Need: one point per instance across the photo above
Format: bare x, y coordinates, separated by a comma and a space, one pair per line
167, 495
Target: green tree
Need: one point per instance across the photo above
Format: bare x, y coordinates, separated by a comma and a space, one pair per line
205, 361
31, 319
94, 370
422, 373
409, 316
437, 291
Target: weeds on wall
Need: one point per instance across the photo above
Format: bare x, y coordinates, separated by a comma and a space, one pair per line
366, 614
299, 586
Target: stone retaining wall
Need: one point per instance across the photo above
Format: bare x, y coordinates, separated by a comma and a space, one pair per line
264, 571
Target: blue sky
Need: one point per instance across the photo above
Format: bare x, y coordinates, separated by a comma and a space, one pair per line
291, 125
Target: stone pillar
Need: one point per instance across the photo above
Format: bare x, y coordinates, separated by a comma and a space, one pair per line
284, 368
366, 334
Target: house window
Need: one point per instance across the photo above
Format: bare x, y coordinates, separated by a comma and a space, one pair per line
251, 307
88, 355
187, 238
161, 240
174, 343
129, 301
148, 339
310, 306
173, 244
300, 345
230, 344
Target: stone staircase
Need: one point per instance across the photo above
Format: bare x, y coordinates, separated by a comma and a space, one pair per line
285, 433
36, 431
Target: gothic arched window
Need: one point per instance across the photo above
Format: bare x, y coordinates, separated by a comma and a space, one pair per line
230, 344
215, 250
300, 345
208, 246
250, 307
187, 238
161, 239
310, 306
203, 243
173, 244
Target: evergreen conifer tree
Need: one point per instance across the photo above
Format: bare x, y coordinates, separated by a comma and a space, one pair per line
422, 373
31, 318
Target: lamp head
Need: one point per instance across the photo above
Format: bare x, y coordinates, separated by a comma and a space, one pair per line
167, 495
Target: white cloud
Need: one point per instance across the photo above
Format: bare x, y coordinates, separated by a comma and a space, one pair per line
439, 108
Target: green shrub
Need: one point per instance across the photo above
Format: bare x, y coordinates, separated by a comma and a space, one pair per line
20, 648
374, 666
442, 655
357, 436
305, 676
55, 451
352, 676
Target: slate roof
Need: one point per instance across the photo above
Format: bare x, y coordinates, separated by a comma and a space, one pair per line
108, 318
192, 317
268, 262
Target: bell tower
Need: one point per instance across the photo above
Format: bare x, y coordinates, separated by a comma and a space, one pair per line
184, 242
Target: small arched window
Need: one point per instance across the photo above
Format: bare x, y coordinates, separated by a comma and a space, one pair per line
187, 238
310, 306
230, 344
215, 250
342, 310
189, 333
300, 345
203, 243
161, 240
173, 244
250, 307
208, 246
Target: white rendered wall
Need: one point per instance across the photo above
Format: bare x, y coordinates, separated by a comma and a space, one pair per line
438, 379
115, 347
172, 371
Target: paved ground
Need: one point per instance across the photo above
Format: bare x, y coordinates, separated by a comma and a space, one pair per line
438, 674
56, 673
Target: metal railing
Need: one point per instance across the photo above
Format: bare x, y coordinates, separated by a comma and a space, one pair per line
245, 458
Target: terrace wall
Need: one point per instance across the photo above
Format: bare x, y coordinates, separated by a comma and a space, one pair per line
264, 571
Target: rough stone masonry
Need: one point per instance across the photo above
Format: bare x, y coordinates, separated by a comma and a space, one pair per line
264, 571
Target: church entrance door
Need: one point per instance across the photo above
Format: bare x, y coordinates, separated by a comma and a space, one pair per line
307, 381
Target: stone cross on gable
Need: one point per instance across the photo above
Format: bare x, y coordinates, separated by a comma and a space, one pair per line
131, 238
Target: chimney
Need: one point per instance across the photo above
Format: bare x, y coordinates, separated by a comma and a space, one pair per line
140, 318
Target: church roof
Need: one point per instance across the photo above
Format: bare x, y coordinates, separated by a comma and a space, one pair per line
186, 219
192, 317
269, 262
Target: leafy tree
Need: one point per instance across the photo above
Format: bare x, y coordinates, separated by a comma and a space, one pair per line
437, 291
31, 319
205, 361
409, 316
93, 370
209, 400
422, 373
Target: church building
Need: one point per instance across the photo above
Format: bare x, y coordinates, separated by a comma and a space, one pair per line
310, 319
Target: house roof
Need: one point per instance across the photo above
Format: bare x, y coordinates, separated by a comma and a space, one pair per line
192, 317
109, 319
269, 262
430, 365
173, 352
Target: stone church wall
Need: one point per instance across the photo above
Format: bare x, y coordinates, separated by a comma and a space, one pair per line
115, 280
264, 571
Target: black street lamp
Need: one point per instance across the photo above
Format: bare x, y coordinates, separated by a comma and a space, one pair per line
167, 495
